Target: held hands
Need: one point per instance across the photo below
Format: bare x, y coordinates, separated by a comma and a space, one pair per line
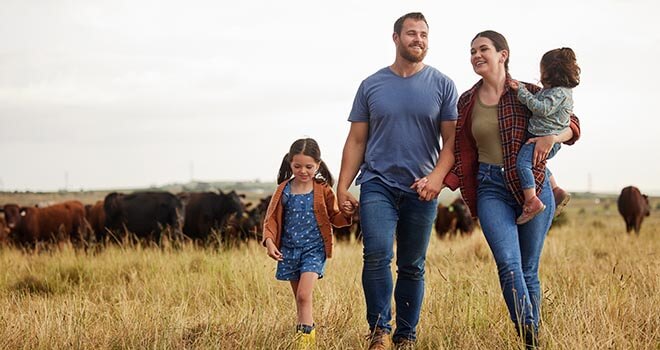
348, 209
428, 187
542, 147
348, 203
514, 84
273, 252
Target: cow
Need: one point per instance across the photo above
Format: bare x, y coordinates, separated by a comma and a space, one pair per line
144, 214
4, 231
95, 216
454, 218
57, 223
207, 211
344, 233
633, 206
249, 225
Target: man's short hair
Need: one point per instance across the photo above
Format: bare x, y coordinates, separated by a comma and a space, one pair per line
417, 16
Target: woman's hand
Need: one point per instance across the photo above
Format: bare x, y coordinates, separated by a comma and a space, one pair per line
428, 187
273, 252
543, 145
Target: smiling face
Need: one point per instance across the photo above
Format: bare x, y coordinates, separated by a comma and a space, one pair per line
485, 58
304, 168
412, 43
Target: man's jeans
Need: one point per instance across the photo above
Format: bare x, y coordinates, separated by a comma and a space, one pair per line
524, 164
516, 248
386, 214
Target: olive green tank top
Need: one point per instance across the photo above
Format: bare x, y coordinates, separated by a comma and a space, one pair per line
486, 133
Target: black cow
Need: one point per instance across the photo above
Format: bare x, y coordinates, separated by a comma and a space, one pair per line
633, 206
145, 214
207, 211
344, 233
250, 224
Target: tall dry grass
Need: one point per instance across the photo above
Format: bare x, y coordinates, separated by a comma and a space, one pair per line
601, 290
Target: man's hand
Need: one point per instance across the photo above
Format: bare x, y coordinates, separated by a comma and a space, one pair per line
348, 203
428, 187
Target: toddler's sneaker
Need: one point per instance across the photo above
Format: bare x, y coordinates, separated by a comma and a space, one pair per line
561, 199
531, 208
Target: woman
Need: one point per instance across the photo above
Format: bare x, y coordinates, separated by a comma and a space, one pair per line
490, 131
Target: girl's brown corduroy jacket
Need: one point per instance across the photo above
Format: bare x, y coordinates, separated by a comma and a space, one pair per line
326, 211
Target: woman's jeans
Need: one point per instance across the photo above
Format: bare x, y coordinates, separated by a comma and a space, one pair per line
516, 248
386, 214
524, 164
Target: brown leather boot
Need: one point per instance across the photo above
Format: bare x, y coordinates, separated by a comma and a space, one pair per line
379, 339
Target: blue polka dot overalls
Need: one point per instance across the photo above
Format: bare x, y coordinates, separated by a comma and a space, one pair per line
302, 245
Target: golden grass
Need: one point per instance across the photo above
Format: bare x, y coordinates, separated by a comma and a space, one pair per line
601, 290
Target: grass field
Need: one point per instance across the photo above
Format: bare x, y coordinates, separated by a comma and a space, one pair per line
601, 290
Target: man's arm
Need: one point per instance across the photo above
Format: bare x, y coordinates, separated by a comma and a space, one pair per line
351, 160
434, 181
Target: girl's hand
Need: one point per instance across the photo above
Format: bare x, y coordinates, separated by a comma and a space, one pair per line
514, 84
348, 209
345, 197
273, 252
543, 145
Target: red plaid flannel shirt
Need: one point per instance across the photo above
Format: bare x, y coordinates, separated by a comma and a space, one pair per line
512, 116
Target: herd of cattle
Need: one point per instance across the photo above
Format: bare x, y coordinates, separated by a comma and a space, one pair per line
145, 216
203, 217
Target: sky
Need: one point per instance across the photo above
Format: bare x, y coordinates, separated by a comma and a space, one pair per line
127, 94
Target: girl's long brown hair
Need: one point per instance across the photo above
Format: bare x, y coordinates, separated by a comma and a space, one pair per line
310, 148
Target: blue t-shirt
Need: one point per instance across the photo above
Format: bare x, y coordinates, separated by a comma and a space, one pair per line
404, 116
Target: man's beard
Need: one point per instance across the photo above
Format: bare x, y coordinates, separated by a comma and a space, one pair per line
412, 57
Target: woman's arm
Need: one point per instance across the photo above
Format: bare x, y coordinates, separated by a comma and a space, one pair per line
543, 144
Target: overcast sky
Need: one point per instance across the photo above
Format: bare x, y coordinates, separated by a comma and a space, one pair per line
120, 94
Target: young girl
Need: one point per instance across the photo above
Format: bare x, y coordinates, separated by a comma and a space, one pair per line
298, 228
551, 108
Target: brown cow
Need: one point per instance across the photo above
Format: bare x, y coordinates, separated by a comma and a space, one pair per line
4, 231
95, 215
56, 223
633, 206
455, 217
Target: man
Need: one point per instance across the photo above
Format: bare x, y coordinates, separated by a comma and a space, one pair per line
398, 115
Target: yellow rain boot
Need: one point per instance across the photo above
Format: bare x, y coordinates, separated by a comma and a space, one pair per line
305, 341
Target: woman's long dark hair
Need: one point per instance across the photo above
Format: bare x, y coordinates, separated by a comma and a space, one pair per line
310, 148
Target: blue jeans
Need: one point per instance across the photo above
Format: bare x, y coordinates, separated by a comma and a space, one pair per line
516, 248
388, 214
524, 163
